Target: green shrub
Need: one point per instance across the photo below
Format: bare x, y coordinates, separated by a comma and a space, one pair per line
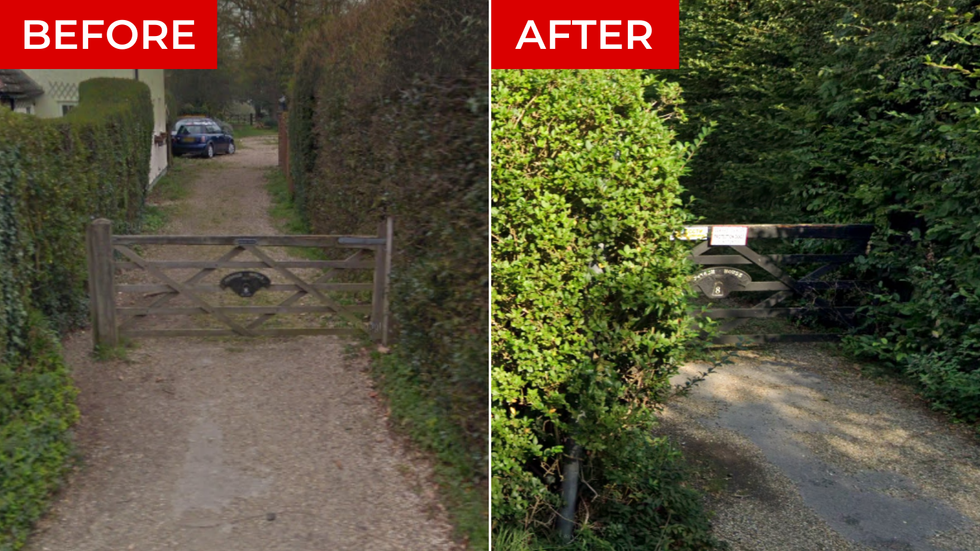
857, 112
589, 299
37, 409
55, 176
388, 116
901, 151
61, 173
746, 66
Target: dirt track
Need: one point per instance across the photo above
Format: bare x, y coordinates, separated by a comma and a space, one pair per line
228, 444
798, 451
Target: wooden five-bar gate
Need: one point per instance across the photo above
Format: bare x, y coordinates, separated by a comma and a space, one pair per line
250, 271
721, 278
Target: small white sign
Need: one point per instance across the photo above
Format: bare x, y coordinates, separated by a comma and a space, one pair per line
732, 236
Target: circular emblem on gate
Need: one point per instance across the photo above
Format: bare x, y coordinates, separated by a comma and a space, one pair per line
245, 284
718, 282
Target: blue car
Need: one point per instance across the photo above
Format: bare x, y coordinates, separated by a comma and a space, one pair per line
200, 137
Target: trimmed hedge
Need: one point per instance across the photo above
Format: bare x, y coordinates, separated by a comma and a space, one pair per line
590, 299
58, 174
389, 116
55, 176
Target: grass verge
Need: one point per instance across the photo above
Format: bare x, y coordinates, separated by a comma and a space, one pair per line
283, 211
421, 419
164, 200
412, 412
286, 216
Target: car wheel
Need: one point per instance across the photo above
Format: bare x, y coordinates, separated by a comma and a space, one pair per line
209, 152
231, 148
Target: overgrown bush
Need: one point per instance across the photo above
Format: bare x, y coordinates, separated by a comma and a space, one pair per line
388, 116
744, 67
589, 302
55, 176
858, 112
901, 151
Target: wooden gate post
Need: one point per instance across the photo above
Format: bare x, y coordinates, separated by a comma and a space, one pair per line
101, 283
382, 275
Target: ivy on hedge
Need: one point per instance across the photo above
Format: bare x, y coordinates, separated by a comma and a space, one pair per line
37, 409
589, 301
55, 176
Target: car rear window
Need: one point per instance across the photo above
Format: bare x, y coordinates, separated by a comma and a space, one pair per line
192, 129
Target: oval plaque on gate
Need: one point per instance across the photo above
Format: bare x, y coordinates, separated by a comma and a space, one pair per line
720, 281
245, 284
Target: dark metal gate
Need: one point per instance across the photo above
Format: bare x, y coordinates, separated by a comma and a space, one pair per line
722, 278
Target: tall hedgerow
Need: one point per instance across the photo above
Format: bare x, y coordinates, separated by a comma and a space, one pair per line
60, 173
589, 301
388, 117
55, 176
863, 111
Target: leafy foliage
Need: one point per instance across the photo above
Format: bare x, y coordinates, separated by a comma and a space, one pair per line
55, 176
856, 112
58, 174
909, 160
37, 409
589, 300
388, 116
744, 66
255, 37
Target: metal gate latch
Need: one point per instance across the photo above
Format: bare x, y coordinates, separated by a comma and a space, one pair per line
245, 284
719, 282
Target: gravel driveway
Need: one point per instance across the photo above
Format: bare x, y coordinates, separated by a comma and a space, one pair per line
235, 444
798, 451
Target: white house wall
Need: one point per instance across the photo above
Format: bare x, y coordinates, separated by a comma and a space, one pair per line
158, 157
61, 90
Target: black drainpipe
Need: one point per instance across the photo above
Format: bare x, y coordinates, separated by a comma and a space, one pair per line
569, 490
573, 468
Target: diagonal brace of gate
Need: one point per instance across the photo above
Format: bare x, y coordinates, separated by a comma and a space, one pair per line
182, 289
101, 245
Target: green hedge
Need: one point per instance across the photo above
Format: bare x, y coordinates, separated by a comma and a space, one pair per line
901, 150
389, 116
37, 409
55, 176
864, 112
589, 302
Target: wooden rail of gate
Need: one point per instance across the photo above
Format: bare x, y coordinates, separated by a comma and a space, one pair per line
721, 278
109, 254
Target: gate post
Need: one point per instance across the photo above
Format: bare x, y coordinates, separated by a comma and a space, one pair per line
382, 275
101, 283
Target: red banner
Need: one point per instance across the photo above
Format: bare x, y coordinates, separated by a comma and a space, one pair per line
111, 34
575, 34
